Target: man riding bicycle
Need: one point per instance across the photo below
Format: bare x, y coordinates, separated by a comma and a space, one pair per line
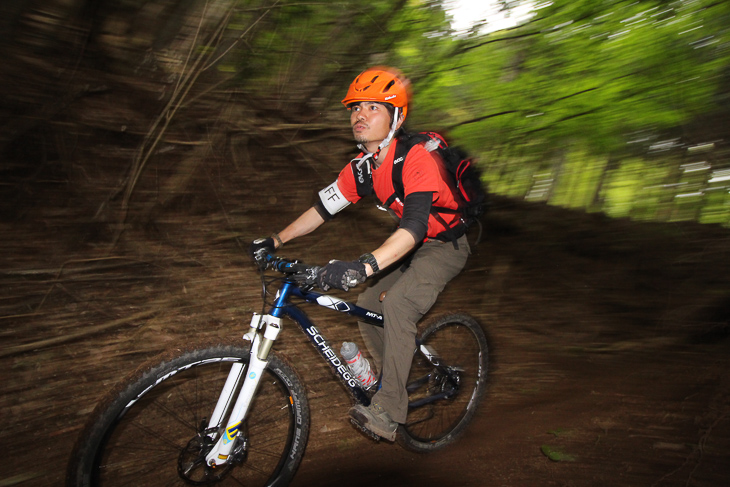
430, 235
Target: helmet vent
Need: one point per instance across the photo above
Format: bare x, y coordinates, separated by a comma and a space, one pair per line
379, 84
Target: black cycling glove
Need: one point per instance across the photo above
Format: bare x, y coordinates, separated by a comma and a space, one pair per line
261, 243
341, 275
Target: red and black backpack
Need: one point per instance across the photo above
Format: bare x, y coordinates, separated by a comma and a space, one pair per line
470, 192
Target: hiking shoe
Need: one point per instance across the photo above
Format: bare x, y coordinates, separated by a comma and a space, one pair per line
375, 419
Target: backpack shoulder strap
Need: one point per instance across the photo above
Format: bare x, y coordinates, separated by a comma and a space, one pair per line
434, 142
363, 175
402, 148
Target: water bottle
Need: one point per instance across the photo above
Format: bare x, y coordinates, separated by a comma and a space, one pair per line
359, 365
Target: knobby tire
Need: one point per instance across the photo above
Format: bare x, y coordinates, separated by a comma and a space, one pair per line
140, 431
461, 344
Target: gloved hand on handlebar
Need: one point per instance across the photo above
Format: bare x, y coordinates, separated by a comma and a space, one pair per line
261, 243
341, 275
258, 250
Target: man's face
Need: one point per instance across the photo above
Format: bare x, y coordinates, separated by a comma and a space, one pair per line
370, 122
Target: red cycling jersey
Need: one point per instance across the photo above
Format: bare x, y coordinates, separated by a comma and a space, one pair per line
423, 172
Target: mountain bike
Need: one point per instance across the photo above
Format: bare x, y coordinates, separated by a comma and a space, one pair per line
238, 415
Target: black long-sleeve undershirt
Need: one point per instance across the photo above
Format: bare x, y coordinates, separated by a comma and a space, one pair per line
416, 210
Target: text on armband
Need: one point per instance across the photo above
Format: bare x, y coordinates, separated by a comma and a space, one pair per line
332, 193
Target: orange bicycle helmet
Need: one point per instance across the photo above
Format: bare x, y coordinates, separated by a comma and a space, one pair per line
380, 84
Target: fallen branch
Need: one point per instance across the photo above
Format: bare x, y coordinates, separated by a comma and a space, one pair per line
73, 336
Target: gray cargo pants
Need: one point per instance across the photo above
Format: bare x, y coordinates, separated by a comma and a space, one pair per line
410, 294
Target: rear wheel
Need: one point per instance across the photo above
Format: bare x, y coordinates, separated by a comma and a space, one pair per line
443, 398
150, 430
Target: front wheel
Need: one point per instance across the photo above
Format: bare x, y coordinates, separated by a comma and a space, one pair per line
150, 431
444, 389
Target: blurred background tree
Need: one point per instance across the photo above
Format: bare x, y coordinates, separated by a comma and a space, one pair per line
616, 106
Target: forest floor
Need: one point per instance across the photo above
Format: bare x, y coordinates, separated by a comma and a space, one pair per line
608, 342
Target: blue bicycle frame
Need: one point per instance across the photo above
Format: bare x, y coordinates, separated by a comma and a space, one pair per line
265, 330
283, 307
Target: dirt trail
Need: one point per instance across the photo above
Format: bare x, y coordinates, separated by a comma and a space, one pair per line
609, 344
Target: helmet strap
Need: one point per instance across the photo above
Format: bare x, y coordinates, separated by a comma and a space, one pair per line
393, 127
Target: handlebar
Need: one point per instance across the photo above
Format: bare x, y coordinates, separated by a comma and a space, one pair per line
294, 269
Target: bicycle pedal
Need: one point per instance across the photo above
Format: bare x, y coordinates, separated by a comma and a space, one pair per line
365, 431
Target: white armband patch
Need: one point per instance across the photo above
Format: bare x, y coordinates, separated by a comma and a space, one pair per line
332, 199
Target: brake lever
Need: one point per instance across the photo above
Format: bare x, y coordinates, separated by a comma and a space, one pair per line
261, 258
312, 273
307, 280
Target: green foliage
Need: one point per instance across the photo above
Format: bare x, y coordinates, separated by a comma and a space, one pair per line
596, 72
547, 104
556, 454
544, 106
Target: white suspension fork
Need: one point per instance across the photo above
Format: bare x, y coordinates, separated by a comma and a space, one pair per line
260, 348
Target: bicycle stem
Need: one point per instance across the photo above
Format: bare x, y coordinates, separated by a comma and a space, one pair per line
260, 348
